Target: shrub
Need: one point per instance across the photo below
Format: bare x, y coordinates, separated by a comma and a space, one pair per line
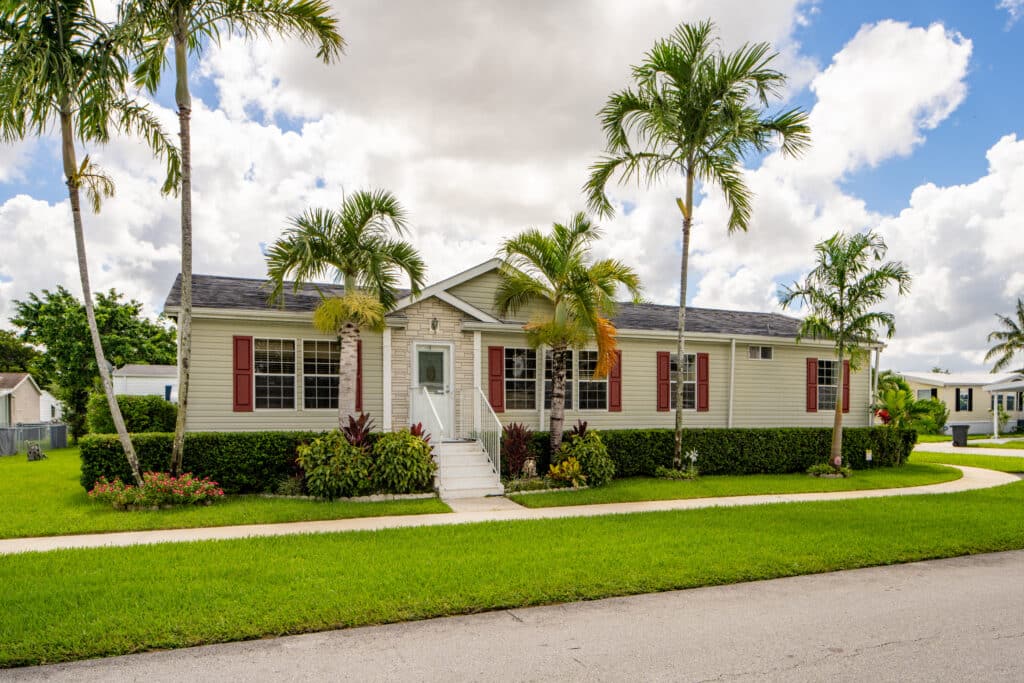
335, 468
158, 489
402, 463
568, 471
824, 469
141, 414
934, 420
418, 430
516, 445
292, 486
672, 473
358, 430
578, 429
592, 455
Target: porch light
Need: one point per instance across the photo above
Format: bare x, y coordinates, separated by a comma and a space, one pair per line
433, 324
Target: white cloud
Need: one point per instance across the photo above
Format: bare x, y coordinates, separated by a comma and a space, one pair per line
1014, 7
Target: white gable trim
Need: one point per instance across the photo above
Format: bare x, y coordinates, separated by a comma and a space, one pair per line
458, 279
465, 307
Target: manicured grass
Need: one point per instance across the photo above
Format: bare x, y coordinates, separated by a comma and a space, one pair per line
45, 499
75, 604
646, 488
942, 438
1016, 444
1001, 463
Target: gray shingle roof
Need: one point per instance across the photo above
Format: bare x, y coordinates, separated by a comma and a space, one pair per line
9, 380
216, 291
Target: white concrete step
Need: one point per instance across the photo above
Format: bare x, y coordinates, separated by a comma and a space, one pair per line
469, 482
472, 470
453, 494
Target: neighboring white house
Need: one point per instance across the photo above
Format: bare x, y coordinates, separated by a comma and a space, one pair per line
50, 408
147, 380
969, 396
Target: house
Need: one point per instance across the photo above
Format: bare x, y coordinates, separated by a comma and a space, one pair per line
967, 396
146, 380
449, 360
19, 399
50, 408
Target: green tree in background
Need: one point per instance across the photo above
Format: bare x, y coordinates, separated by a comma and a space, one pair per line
17, 356
56, 320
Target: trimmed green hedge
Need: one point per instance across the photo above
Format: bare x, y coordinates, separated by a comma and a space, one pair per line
744, 451
141, 414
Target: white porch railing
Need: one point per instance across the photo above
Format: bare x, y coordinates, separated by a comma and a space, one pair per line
477, 421
423, 407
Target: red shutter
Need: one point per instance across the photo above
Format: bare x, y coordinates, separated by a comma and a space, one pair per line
242, 393
664, 382
846, 386
615, 385
496, 377
812, 385
359, 376
703, 383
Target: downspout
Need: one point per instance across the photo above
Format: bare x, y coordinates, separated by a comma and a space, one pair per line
541, 351
476, 381
732, 377
386, 352
874, 386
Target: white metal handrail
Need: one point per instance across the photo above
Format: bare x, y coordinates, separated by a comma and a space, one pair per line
477, 421
434, 426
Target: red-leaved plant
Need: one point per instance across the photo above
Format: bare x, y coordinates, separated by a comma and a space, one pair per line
515, 446
358, 431
418, 430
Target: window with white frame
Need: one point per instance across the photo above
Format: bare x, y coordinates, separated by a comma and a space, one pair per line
320, 362
1011, 403
689, 380
924, 394
828, 384
759, 352
593, 392
520, 379
548, 377
964, 403
274, 373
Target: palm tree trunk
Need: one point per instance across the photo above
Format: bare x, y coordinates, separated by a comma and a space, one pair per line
687, 210
184, 102
348, 366
557, 397
836, 454
71, 173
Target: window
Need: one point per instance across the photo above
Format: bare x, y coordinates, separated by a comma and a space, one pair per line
593, 392
274, 373
924, 394
520, 379
828, 384
964, 401
1011, 403
548, 377
320, 362
689, 380
759, 352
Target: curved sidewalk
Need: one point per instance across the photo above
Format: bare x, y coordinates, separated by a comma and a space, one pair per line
483, 510
945, 447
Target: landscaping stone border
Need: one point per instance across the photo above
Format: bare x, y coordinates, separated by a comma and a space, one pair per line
375, 498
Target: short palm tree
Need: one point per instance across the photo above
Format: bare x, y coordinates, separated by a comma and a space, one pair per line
189, 26
353, 245
1009, 340
61, 67
839, 294
901, 408
693, 113
556, 269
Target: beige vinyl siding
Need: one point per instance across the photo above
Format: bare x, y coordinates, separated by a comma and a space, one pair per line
480, 293
25, 403
210, 394
982, 403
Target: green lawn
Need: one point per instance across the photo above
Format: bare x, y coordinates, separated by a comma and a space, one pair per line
993, 462
75, 604
1016, 444
45, 499
940, 438
646, 488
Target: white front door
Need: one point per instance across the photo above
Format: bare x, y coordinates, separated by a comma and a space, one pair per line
432, 370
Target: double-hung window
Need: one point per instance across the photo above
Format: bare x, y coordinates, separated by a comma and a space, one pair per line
964, 401
520, 379
759, 352
274, 373
924, 394
593, 392
828, 384
548, 379
1011, 403
320, 360
689, 380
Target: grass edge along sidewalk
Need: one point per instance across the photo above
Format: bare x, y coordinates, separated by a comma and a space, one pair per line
75, 604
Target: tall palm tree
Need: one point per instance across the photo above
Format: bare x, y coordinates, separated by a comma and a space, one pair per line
352, 245
1009, 340
839, 294
555, 268
61, 67
694, 112
191, 25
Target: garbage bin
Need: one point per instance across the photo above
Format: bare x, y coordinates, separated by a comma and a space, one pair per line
960, 434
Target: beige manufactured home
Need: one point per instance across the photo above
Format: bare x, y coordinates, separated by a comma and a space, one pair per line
19, 399
967, 397
447, 359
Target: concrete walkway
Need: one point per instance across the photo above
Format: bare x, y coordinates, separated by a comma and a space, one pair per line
944, 620
948, 447
482, 510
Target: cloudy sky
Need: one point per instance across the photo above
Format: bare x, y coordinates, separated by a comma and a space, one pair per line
481, 118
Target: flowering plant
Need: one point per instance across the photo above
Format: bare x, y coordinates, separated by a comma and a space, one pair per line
158, 488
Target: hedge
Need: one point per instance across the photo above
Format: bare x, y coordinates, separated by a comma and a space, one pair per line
744, 451
141, 414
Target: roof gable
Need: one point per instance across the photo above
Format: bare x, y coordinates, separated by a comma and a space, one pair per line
9, 381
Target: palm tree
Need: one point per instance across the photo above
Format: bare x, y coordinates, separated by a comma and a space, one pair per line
694, 112
62, 67
555, 268
901, 408
839, 294
353, 245
1010, 340
191, 25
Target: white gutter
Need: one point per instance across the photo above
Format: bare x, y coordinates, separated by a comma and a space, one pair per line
732, 377
386, 352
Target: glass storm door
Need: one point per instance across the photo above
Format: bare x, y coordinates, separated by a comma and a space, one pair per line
433, 372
